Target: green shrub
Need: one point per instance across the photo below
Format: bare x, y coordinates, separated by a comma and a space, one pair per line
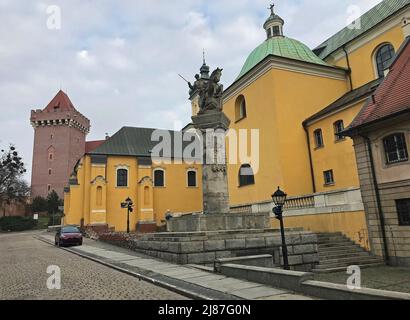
17, 223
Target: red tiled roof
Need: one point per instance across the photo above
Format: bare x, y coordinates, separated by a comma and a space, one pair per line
393, 94
92, 145
62, 101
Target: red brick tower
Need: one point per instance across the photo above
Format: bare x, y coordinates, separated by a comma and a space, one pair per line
59, 142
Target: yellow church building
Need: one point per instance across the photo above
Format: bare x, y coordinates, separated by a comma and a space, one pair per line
298, 99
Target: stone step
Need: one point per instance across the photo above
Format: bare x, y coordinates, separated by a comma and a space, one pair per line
344, 268
336, 244
350, 260
327, 256
350, 263
327, 234
353, 248
332, 239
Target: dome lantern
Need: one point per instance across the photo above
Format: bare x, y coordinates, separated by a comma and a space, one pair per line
274, 24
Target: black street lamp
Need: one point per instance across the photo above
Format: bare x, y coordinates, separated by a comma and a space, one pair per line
128, 205
279, 199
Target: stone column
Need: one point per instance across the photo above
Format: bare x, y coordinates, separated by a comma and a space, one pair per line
214, 126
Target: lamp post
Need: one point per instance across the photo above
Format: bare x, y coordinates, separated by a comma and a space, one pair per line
279, 199
128, 205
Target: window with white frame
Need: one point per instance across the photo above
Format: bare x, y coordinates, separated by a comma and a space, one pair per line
383, 58
329, 177
318, 136
339, 127
122, 178
395, 148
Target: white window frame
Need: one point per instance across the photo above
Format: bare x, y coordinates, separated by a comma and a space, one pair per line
116, 176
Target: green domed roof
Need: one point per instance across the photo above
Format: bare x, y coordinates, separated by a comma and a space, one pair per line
282, 47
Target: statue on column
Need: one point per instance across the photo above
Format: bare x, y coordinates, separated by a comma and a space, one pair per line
209, 91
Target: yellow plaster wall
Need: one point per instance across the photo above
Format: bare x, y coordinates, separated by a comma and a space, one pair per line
277, 104
176, 196
362, 59
338, 156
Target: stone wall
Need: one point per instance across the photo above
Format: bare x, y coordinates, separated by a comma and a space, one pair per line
205, 248
397, 237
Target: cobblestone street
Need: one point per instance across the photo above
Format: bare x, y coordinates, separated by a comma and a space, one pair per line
23, 275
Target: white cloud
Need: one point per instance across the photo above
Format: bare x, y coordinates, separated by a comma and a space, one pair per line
120, 60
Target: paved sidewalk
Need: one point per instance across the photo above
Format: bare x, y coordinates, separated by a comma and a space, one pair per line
383, 278
186, 280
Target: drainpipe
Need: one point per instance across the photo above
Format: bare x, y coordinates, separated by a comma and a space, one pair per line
312, 172
378, 199
348, 67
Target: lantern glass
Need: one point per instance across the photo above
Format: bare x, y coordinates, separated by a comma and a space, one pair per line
279, 198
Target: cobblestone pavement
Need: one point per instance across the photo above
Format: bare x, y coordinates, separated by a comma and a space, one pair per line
23, 275
384, 278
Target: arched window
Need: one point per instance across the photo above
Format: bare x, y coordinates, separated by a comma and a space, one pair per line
122, 178
318, 135
339, 127
191, 177
159, 178
246, 176
99, 196
383, 58
395, 148
240, 108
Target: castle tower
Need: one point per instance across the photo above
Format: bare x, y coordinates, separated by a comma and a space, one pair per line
59, 142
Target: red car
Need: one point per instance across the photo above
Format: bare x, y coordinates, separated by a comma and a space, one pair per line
69, 236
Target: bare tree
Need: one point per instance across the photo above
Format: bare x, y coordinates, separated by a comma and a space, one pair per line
12, 185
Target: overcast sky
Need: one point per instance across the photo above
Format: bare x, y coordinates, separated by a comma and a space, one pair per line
119, 60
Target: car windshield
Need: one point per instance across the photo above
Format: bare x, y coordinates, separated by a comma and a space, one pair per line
70, 230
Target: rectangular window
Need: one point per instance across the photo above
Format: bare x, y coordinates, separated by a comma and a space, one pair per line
329, 177
159, 178
318, 138
403, 211
339, 127
395, 148
192, 179
276, 31
122, 178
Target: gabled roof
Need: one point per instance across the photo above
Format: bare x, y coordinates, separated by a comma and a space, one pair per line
136, 142
393, 95
347, 99
61, 102
368, 21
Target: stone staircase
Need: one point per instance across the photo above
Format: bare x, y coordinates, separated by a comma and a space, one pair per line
337, 252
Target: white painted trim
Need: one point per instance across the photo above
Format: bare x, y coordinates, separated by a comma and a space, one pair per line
122, 167
147, 210
99, 211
